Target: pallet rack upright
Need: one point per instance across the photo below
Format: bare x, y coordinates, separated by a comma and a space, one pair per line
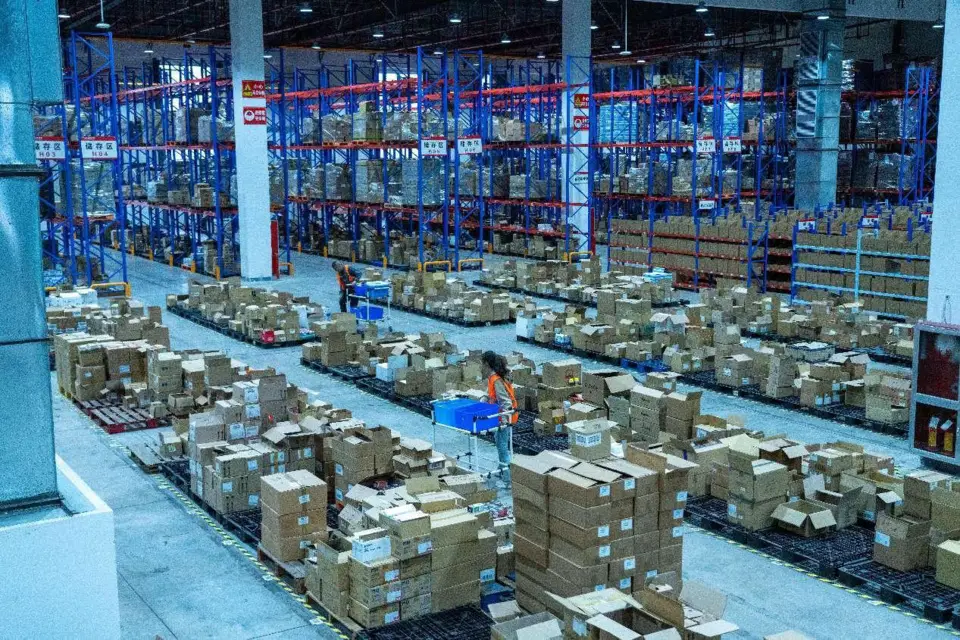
85, 223
177, 154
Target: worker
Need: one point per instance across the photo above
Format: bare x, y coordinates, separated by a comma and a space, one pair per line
500, 392
347, 280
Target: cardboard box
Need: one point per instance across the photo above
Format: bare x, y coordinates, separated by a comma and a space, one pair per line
804, 518
901, 542
293, 492
590, 439
948, 563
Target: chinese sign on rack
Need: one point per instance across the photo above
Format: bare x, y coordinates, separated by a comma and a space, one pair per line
98, 148
469, 145
50, 148
253, 89
433, 146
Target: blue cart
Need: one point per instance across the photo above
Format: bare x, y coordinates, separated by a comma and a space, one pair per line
469, 418
365, 292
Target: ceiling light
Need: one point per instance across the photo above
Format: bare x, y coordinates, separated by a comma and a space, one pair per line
103, 24
641, 61
63, 16
938, 24
267, 56
378, 33
191, 41
553, 0
149, 48
702, 7
823, 16
505, 39
593, 26
455, 18
306, 8
541, 55
438, 52
709, 32
315, 46
626, 52
615, 45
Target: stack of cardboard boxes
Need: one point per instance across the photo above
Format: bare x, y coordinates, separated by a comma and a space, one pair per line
583, 525
361, 454
294, 514
271, 316
438, 294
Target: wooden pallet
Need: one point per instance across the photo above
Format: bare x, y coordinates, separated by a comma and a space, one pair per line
293, 573
114, 418
147, 457
346, 625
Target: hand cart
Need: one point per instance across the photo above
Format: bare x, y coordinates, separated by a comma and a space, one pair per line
362, 295
471, 418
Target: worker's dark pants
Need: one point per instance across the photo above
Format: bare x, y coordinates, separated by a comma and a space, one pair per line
343, 300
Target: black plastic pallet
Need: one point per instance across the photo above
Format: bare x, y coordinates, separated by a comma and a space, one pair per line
246, 525
878, 354
439, 317
463, 623
558, 298
914, 590
348, 373
640, 367
196, 318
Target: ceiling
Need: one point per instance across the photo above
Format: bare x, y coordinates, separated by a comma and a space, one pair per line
533, 26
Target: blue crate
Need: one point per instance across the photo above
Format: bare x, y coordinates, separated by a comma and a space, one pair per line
364, 289
367, 312
468, 415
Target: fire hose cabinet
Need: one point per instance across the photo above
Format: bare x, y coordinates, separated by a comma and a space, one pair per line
935, 400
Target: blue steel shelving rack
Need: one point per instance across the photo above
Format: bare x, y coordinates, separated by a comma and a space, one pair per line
873, 218
86, 224
715, 149
150, 151
57, 232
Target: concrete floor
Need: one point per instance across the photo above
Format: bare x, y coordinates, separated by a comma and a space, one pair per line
181, 579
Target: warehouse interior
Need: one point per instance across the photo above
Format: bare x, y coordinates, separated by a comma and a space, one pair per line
528, 319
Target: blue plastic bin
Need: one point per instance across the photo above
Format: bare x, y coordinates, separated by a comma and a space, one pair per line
374, 293
367, 312
468, 415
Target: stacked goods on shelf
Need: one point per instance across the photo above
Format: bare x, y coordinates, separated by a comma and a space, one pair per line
702, 250
886, 269
581, 282
436, 293
271, 316
401, 553
370, 246
585, 526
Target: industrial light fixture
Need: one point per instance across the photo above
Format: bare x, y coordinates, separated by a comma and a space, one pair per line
149, 48
315, 46
615, 45
541, 55
306, 7
505, 39
593, 26
626, 52
641, 61
823, 15
553, 0
191, 41
267, 56
438, 52
377, 32
63, 16
103, 24
702, 7
455, 18
709, 33
938, 23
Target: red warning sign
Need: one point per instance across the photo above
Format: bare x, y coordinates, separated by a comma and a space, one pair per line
581, 123
581, 101
254, 115
253, 89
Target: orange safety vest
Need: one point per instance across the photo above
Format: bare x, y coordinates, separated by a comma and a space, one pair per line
492, 394
350, 278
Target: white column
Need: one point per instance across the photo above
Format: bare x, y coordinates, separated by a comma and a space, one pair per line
253, 189
576, 53
943, 304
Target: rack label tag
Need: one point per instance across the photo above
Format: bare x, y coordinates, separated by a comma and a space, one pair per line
49, 148
99, 148
708, 145
732, 145
469, 145
433, 146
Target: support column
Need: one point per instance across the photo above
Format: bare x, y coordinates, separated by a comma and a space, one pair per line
818, 108
574, 181
943, 303
249, 114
